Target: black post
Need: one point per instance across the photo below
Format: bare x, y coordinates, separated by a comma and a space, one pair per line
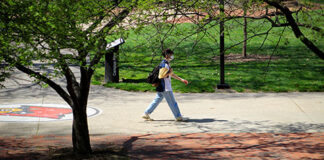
222, 84
111, 65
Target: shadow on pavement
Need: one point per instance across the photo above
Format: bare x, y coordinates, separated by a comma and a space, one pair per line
210, 125
204, 120
173, 146
227, 146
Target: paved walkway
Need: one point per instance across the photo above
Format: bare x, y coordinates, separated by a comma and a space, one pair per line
270, 118
173, 146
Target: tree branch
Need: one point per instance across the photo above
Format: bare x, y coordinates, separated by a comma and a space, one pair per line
95, 24
72, 84
39, 76
255, 35
113, 22
116, 20
295, 28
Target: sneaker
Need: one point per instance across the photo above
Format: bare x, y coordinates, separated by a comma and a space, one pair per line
181, 119
147, 117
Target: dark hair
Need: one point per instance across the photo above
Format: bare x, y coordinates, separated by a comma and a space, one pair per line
167, 52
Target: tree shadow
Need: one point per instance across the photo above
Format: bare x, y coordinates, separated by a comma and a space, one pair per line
124, 80
174, 146
228, 146
209, 125
204, 120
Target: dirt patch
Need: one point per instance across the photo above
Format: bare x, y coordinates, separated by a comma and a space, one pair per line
238, 58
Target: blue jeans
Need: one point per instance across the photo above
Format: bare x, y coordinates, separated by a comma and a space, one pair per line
169, 98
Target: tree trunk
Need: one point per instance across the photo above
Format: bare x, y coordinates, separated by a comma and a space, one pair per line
80, 131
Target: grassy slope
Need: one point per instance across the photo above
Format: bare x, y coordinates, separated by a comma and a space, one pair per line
298, 69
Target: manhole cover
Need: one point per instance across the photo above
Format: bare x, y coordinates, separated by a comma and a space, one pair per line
39, 112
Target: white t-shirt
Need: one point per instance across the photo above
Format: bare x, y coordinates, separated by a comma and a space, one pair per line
167, 80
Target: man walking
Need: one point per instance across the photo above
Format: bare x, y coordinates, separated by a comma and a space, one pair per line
164, 89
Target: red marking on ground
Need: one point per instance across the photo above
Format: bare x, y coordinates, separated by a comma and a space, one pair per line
43, 112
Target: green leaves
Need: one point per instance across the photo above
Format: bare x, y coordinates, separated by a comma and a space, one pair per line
11, 2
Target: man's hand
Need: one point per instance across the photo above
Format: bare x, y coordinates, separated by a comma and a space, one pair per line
184, 81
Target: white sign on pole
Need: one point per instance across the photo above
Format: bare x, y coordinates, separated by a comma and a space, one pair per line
115, 43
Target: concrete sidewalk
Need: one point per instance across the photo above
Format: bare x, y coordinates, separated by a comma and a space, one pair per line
209, 112
221, 125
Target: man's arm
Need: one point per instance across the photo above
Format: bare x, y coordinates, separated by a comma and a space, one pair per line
179, 78
164, 72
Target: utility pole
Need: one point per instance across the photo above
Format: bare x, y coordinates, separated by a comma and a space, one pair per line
245, 28
222, 84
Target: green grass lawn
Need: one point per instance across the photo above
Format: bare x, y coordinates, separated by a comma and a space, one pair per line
312, 1
295, 68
